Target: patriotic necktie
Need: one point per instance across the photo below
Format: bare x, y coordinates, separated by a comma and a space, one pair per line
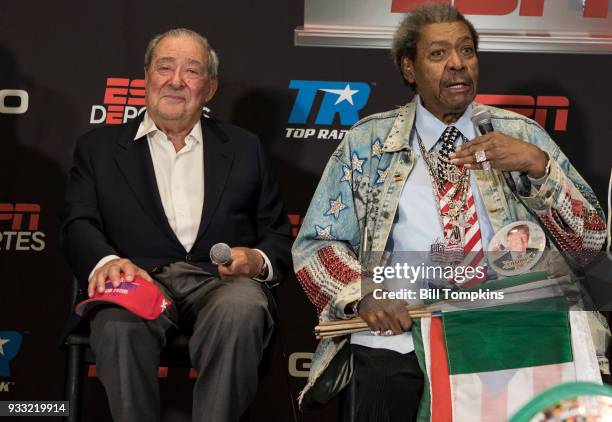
451, 204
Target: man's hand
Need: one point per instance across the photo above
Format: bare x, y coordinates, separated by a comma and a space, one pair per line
112, 270
385, 314
246, 262
504, 153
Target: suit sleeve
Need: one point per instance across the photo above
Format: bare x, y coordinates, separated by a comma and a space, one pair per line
82, 236
273, 227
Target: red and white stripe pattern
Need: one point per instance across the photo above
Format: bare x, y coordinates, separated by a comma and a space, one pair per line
326, 275
472, 249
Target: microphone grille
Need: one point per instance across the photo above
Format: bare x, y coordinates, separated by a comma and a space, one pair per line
220, 253
481, 115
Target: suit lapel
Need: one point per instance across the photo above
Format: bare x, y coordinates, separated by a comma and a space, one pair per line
134, 161
218, 159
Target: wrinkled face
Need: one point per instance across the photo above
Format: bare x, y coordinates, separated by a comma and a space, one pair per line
177, 81
517, 241
445, 69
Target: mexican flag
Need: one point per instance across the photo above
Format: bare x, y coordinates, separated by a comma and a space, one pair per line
484, 364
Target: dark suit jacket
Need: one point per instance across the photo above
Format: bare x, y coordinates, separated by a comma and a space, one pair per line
113, 206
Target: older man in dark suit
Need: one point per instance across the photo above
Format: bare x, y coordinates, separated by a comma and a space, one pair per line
150, 198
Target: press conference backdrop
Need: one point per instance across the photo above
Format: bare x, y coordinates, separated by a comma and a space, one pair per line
66, 67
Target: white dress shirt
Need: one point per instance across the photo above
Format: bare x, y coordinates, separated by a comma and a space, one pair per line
179, 176
180, 182
417, 224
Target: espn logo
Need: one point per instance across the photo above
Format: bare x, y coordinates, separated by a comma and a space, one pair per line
296, 221
15, 213
22, 233
124, 99
592, 8
536, 108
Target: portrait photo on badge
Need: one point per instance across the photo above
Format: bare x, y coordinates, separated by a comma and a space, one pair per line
516, 248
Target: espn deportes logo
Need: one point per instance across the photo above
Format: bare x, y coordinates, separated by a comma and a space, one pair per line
19, 228
10, 344
325, 103
591, 8
124, 99
538, 108
14, 101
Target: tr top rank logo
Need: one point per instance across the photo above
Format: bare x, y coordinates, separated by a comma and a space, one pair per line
124, 99
325, 103
15, 234
10, 343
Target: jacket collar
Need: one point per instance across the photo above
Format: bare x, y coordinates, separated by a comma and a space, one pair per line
399, 135
134, 161
218, 160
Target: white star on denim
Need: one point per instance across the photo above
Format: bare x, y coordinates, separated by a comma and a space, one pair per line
377, 149
382, 176
336, 206
357, 162
345, 94
348, 174
324, 233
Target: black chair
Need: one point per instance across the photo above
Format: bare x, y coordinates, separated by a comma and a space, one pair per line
175, 354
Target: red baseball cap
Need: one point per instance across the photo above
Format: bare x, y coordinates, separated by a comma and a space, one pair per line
141, 297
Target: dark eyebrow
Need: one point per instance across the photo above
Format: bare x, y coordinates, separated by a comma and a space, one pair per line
466, 38
196, 62
446, 43
166, 59
441, 43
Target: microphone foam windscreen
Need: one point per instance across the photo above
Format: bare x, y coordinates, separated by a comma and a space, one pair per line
220, 253
480, 115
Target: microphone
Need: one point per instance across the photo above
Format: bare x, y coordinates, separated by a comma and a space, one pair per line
221, 254
482, 120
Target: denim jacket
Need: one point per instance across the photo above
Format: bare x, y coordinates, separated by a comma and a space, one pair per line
357, 198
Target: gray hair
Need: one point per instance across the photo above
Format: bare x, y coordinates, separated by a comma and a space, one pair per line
408, 32
213, 59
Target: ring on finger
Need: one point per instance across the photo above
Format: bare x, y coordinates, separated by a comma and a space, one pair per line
376, 332
486, 165
388, 333
480, 156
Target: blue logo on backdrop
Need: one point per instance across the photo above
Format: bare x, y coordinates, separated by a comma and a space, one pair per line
342, 98
10, 343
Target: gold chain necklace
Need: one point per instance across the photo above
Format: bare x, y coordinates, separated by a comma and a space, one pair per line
455, 206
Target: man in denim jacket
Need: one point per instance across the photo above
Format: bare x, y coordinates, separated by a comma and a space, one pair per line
373, 192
